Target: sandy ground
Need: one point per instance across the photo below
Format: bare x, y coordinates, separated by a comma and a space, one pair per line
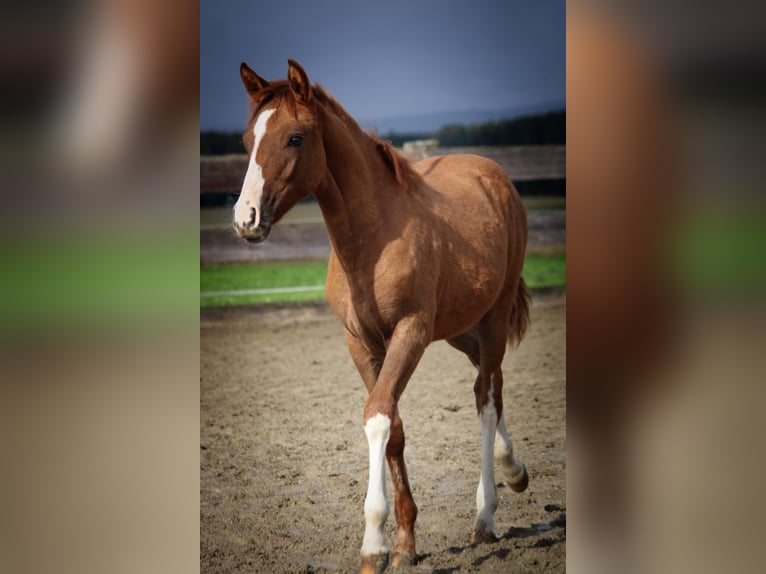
284, 456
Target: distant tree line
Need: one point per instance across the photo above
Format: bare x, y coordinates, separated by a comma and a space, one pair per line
541, 129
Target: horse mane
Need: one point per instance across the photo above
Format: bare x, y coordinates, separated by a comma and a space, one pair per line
279, 91
406, 177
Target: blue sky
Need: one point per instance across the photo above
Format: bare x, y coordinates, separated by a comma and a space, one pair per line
384, 59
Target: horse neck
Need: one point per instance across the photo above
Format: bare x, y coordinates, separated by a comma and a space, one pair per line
355, 187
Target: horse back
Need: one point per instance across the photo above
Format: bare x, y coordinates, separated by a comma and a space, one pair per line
478, 203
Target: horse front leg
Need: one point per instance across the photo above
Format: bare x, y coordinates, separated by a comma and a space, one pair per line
406, 509
374, 550
409, 340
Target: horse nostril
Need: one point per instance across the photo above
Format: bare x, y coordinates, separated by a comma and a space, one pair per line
252, 216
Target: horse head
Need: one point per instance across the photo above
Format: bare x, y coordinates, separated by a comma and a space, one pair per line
285, 149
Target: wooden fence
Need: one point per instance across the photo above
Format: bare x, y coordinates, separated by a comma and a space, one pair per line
224, 174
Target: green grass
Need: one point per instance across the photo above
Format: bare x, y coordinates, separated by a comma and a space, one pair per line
104, 277
539, 271
720, 250
545, 270
262, 276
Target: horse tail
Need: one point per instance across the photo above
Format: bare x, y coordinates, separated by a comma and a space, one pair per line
519, 318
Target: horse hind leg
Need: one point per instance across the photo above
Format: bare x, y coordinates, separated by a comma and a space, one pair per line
487, 342
493, 334
488, 382
514, 471
489, 401
486, 493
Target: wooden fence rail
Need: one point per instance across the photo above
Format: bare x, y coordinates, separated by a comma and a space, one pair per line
224, 174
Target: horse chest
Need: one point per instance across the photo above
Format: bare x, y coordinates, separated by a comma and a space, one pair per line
377, 306
372, 301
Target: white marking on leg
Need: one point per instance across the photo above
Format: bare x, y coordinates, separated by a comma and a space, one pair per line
378, 431
512, 467
252, 188
486, 494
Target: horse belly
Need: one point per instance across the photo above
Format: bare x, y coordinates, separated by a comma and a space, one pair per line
465, 298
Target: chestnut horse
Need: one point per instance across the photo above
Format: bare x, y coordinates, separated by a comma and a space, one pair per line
419, 253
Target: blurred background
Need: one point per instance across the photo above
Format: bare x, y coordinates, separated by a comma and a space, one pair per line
99, 375
104, 106
665, 286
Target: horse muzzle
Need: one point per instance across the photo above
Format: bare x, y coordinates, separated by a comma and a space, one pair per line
252, 234
260, 234
252, 228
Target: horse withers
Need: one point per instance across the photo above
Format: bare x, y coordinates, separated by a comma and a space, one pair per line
419, 253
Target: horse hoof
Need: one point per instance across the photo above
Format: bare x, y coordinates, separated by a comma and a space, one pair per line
374, 564
520, 482
403, 560
482, 536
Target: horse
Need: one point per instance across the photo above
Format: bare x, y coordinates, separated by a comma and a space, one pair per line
419, 252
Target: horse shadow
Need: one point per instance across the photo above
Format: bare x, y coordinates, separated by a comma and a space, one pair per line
556, 528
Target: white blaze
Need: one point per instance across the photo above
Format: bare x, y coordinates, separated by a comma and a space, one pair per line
252, 188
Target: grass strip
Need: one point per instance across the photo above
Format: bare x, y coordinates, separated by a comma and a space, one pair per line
249, 283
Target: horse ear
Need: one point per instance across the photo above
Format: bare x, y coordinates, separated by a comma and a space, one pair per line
299, 81
253, 82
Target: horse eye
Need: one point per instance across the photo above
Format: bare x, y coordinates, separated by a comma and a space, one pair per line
295, 141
